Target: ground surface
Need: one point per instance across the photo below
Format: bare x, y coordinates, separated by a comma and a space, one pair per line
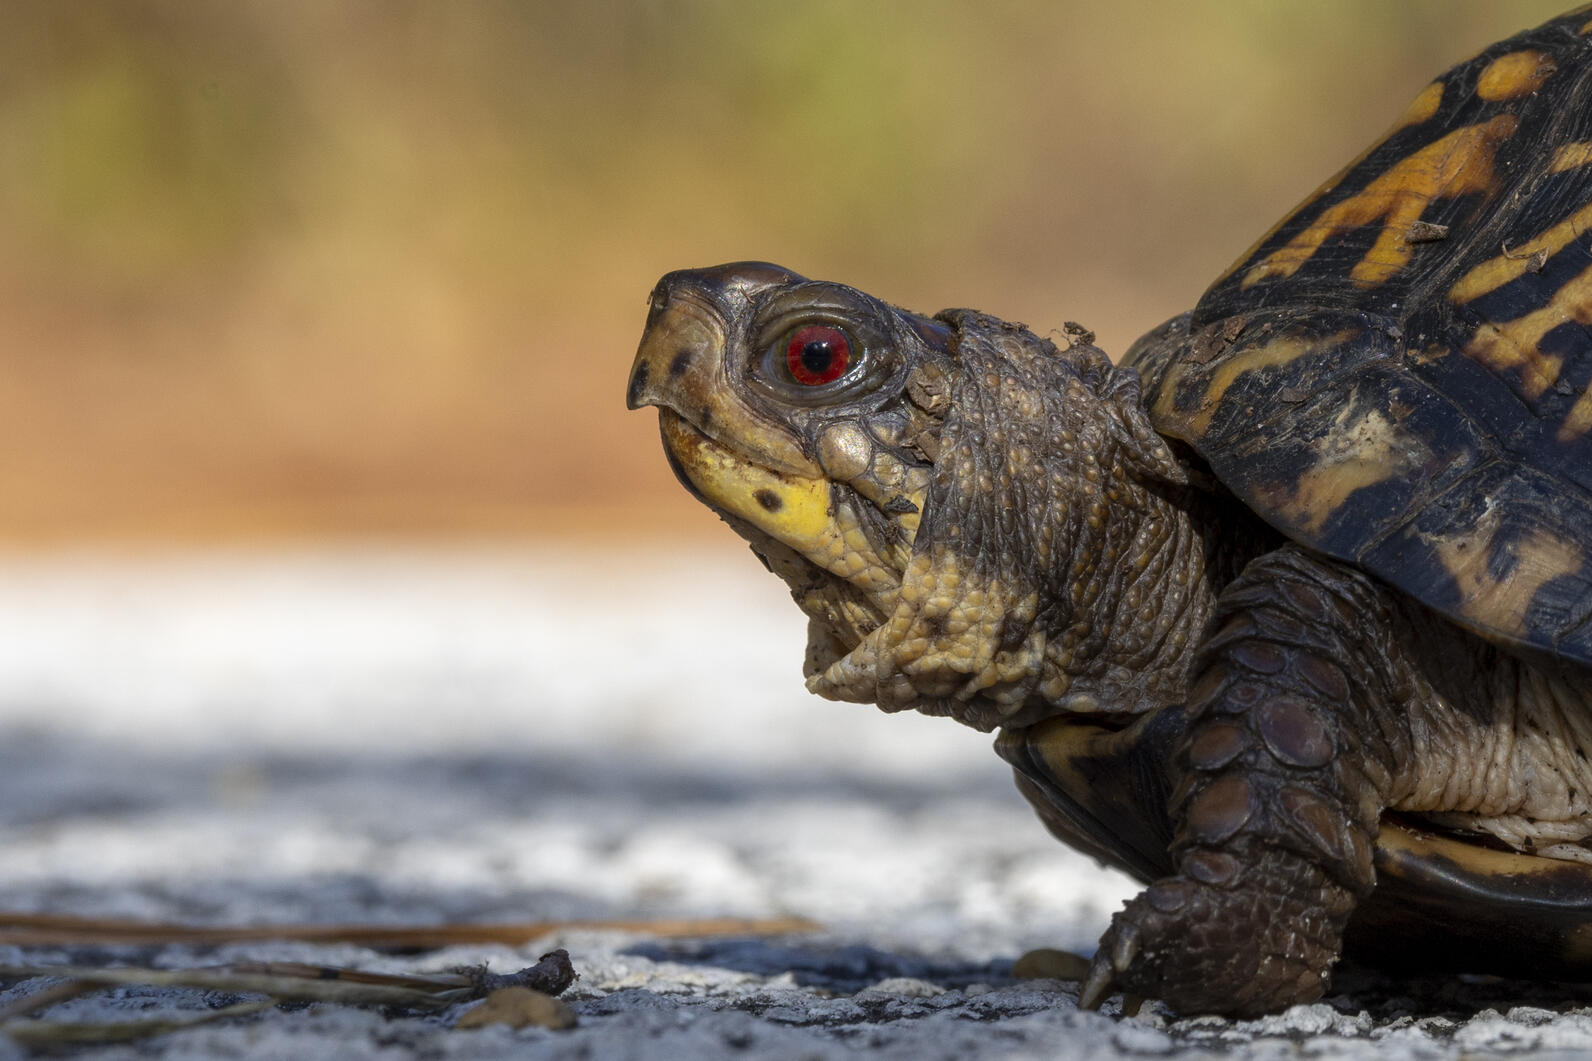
413, 738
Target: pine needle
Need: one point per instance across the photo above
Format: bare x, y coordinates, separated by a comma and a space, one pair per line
25, 930
43, 1033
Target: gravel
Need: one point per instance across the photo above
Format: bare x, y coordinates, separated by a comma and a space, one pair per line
414, 736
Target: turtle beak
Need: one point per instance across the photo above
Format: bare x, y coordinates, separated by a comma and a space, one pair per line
687, 326
683, 363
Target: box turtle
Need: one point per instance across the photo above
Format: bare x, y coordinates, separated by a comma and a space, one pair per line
1290, 614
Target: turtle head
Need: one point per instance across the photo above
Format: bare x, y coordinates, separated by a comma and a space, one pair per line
914, 480
784, 406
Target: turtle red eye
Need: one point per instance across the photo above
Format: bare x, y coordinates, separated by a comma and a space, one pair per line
817, 354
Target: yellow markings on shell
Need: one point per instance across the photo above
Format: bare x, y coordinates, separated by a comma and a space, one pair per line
798, 511
1401, 848
1578, 421
1571, 156
1502, 603
1421, 108
1576, 298
1496, 272
1517, 344
1457, 164
1279, 351
1515, 75
1371, 450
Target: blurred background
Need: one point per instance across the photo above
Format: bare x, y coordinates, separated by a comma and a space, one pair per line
289, 269
335, 580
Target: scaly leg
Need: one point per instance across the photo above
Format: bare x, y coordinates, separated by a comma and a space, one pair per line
1278, 785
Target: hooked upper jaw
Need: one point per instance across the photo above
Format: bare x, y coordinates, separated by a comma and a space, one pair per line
681, 364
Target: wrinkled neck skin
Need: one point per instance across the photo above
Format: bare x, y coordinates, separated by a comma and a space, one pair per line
1063, 563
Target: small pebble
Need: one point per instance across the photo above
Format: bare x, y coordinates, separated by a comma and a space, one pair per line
904, 986
518, 1007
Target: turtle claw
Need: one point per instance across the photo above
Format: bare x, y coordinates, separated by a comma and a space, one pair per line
1096, 987
1116, 954
1124, 945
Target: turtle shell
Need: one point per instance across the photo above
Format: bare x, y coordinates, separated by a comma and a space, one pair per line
1399, 374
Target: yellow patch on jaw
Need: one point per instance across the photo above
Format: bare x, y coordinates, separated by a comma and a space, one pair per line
1520, 258
1458, 164
1514, 75
1517, 344
794, 510
1502, 603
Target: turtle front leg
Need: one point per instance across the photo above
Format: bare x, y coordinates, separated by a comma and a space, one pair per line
1278, 785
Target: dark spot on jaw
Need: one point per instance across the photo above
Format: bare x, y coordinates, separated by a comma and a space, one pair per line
769, 500
681, 362
705, 419
638, 380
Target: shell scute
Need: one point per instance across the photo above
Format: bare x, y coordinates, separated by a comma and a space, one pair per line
1504, 551
1422, 402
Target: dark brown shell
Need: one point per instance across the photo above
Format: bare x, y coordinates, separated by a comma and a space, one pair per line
1400, 373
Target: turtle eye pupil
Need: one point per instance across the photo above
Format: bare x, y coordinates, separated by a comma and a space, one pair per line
817, 354
817, 357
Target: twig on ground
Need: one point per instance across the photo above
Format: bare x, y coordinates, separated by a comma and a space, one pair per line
57, 930
295, 981
303, 982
